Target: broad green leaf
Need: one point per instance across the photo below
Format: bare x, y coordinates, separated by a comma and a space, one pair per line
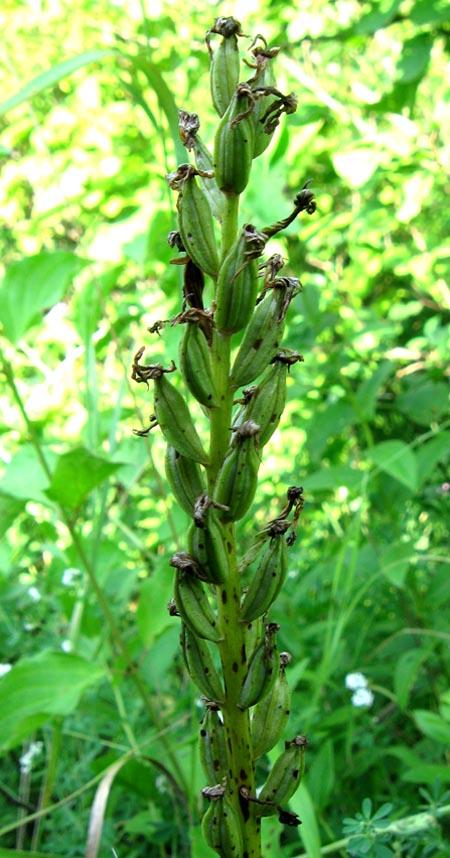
414, 58
309, 830
395, 561
332, 478
406, 670
38, 688
32, 285
432, 725
75, 475
152, 616
368, 391
54, 75
25, 477
427, 774
429, 12
383, 13
396, 459
322, 775
425, 402
430, 453
10, 508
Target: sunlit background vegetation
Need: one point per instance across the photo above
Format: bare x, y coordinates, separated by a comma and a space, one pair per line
95, 700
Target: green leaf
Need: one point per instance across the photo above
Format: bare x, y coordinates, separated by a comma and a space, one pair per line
414, 58
21, 853
395, 561
25, 477
432, 725
54, 75
430, 454
39, 687
152, 616
309, 830
405, 674
368, 391
425, 402
32, 285
332, 478
200, 849
381, 16
429, 12
76, 474
396, 459
166, 102
10, 508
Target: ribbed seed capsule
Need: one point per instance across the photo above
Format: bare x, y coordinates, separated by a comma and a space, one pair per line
262, 670
265, 403
237, 479
213, 749
195, 221
185, 479
268, 578
253, 633
189, 124
221, 827
237, 284
263, 336
263, 77
285, 776
195, 364
224, 62
234, 142
199, 662
175, 421
270, 716
208, 544
194, 607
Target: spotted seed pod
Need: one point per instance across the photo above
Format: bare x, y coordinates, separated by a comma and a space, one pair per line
194, 607
185, 478
189, 124
270, 716
234, 142
175, 421
285, 776
265, 403
199, 662
262, 670
237, 479
195, 364
213, 748
208, 541
221, 825
224, 75
237, 284
195, 221
264, 334
268, 579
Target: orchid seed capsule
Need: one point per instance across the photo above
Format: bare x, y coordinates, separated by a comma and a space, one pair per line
237, 284
224, 75
237, 479
195, 220
234, 142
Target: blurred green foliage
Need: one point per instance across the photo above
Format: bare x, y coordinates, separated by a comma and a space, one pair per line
88, 131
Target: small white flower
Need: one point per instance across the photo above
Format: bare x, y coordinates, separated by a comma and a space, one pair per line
66, 646
26, 760
355, 680
69, 575
34, 594
5, 668
362, 697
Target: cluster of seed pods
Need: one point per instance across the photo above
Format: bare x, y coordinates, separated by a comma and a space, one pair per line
232, 363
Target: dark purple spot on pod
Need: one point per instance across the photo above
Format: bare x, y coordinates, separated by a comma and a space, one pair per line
224, 597
235, 667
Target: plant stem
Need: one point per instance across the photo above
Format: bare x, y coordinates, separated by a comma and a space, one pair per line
232, 648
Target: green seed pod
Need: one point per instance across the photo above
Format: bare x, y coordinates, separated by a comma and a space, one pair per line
193, 606
267, 580
208, 541
285, 776
237, 479
262, 670
263, 336
262, 78
185, 479
265, 403
195, 221
195, 364
221, 825
270, 716
213, 748
199, 662
237, 284
234, 142
189, 124
175, 421
253, 634
224, 62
